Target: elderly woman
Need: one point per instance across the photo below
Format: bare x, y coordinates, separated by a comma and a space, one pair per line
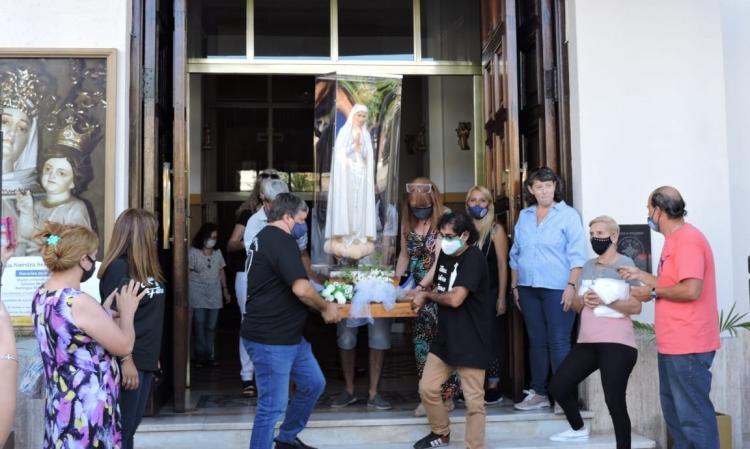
549, 249
605, 342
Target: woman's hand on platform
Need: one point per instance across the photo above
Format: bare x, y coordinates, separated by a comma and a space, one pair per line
418, 300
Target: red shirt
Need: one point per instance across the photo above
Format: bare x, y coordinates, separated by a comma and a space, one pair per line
692, 326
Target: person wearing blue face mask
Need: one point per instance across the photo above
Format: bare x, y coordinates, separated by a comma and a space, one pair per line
493, 242
279, 295
208, 285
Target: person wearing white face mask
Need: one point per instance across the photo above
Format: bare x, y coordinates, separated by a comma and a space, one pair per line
466, 308
208, 285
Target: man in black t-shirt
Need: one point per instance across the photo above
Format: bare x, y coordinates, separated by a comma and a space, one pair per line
462, 342
278, 297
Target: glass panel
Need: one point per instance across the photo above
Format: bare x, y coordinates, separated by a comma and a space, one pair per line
242, 146
292, 149
216, 28
292, 28
450, 30
379, 30
356, 135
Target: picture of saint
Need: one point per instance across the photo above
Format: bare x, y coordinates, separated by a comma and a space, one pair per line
350, 217
21, 95
65, 171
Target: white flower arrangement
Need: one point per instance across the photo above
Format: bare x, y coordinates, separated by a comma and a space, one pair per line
338, 292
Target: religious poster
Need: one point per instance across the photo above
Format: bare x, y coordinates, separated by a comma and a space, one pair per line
635, 242
57, 134
356, 140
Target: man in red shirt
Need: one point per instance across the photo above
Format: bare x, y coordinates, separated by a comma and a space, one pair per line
686, 321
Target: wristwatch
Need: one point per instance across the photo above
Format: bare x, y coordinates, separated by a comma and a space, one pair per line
653, 296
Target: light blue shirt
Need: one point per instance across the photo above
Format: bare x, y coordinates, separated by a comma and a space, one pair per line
544, 254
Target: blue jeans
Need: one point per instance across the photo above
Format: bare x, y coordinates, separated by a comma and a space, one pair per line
132, 405
549, 330
204, 332
275, 365
684, 385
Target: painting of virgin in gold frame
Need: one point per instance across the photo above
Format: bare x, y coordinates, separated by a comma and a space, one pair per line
58, 136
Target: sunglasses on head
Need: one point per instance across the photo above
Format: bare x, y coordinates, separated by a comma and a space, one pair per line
269, 175
414, 187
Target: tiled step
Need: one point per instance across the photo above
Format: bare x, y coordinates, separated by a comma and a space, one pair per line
351, 429
595, 442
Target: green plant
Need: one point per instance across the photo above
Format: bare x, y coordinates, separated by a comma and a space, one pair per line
733, 321
730, 322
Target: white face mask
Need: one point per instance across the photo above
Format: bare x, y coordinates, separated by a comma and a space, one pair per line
451, 246
210, 243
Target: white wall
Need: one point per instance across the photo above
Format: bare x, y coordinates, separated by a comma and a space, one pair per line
735, 19
450, 100
79, 24
648, 109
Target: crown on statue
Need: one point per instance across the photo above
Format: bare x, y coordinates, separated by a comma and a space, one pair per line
22, 89
69, 136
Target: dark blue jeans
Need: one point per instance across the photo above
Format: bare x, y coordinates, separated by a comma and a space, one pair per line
275, 366
549, 330
204, 333
132, 405
684, 385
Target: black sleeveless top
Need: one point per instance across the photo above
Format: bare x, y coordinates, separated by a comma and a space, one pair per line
488, 249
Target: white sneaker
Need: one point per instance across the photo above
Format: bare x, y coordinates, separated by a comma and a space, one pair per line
532, 401
572, 435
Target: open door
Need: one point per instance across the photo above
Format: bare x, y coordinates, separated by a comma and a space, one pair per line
526, 110
152, 180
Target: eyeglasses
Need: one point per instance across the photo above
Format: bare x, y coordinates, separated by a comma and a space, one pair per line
269, 175
414, 187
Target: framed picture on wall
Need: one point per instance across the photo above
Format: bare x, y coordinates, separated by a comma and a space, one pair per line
58, 136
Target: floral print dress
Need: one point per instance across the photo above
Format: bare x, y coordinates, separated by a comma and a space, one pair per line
421, 251
82, 378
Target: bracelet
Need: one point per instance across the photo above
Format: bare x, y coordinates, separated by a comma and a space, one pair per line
10, 357
126, 358
572, 284
513, 287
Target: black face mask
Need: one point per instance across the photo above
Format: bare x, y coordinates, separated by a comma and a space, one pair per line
600, 245
88, 273
422, 213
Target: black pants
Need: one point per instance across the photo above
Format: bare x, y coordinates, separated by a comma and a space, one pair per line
132, 407
615, 362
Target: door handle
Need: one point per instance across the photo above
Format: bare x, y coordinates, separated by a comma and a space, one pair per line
166, 203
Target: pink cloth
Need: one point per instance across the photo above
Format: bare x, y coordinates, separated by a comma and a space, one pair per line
691, 326
596, 329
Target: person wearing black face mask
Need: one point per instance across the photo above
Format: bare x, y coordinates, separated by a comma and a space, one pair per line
606, 341
420, 246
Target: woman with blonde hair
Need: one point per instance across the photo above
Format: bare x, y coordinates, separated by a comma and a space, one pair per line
132, 256
77, 338
493, 242
420, 246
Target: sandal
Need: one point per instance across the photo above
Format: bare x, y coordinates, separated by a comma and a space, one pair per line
248, 389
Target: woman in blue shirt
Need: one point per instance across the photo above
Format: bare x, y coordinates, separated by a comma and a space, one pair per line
549, 249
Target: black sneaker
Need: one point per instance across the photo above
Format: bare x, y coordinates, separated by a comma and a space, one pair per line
493, 396
343, 399
248, 389
433, 440
296, 444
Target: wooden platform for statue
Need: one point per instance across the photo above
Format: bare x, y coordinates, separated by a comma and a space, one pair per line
400, 310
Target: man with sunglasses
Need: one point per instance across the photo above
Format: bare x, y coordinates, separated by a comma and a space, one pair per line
462, 343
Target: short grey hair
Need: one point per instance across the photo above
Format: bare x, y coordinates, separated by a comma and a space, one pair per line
286, 204
271, 188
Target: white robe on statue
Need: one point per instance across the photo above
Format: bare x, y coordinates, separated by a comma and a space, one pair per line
350, 214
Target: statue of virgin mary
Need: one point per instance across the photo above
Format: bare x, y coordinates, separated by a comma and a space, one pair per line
350, 216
